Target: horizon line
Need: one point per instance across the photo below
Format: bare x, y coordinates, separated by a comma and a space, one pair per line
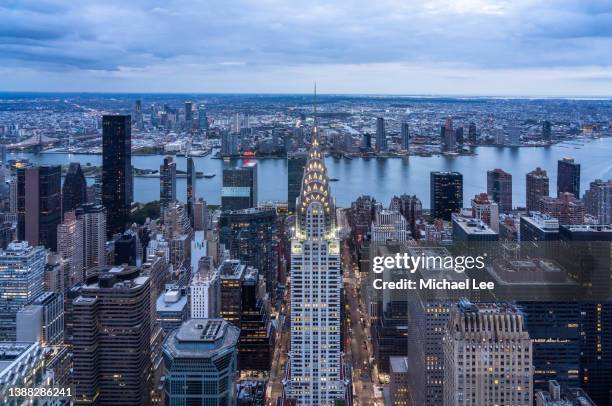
405, 95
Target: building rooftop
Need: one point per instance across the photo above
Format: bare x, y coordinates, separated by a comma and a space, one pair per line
201, 338
473, 226
171, 301
399, 365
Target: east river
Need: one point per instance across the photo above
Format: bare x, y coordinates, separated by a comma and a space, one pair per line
381, 178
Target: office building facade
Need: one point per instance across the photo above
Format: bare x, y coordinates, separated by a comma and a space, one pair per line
74, 189
239, 189
117, 178
39, 200
568, 177
200, 359
446, 194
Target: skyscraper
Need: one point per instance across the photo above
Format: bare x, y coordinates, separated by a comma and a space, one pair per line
255, 350
74, 190
111, 333
251, 236
449, 141
295, 170
472, 133
117, 171
202, 119
239, 187
93, 217
537, 187
566, 208
200, 359
405, 133
167, 182
487, 356
70, 247
499, 187
568, 177
446, 194
188, 114
316, 370
381, 135
21, 281
39, 209
546, 131
598, 200
191, 189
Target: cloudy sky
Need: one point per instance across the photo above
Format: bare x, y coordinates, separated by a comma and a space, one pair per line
470, 47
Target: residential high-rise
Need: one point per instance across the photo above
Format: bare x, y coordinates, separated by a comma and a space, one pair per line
22, 268
485, 210
446, 194
39, 201
499, 187
598, 200
111, 333
74, 190
487, 356
251, 236
239, 187
537, 187
117, 171
200, 359
191, 189
566, 208
70, 247
93, 217
361, 215
568, 177
546, 131
167, 182
200, 216
316, 370
381, 135
405, 133
295, 170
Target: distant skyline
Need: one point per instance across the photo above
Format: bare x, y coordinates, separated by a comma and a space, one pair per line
430, 47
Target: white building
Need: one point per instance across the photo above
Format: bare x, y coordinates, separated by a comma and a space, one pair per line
70, 247
316, 373
487, 356
389, 225
205, 294
93, 218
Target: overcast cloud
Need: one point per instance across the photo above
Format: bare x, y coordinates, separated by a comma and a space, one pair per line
519, 47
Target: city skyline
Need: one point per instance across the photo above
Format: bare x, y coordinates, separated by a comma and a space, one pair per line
557, 48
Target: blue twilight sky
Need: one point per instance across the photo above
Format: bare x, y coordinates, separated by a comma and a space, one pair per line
470, 47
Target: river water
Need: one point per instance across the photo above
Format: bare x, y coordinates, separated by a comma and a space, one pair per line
380, 178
